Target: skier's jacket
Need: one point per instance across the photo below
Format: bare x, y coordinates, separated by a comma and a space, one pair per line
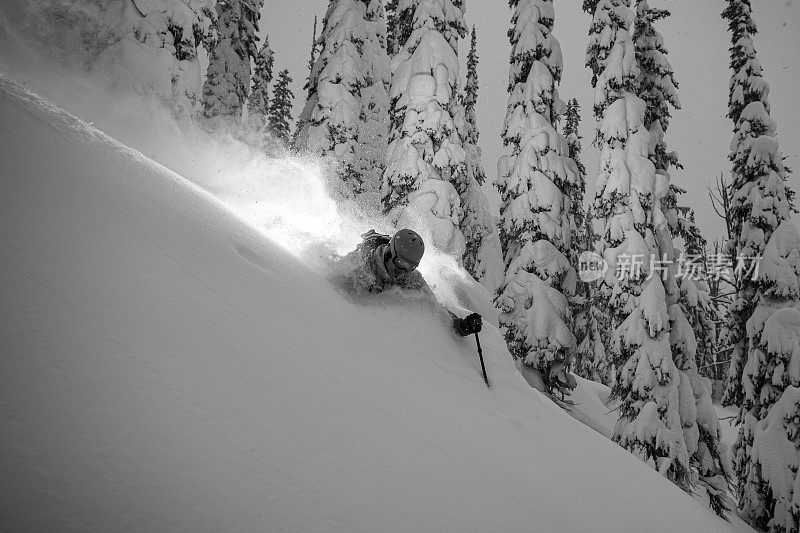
370, 275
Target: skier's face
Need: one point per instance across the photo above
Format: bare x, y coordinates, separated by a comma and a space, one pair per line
395, 265
403, 265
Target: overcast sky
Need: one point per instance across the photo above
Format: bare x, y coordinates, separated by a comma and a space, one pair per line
696, 37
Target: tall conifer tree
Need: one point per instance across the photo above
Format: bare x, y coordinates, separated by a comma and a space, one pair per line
588, 306
305, 113
258, 101
628, 208
425, 160
536, 182
373, 129
471, 93
482, 254
701, 427
760, 335
767, 451
280, 107
760, 201
334, 109
227, 82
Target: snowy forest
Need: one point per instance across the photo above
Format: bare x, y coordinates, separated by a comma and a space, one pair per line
601, 274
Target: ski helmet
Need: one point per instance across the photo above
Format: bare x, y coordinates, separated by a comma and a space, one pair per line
407, 248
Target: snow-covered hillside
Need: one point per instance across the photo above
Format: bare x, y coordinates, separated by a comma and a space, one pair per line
165, 367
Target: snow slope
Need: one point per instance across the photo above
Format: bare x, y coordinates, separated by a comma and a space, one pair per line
165, 367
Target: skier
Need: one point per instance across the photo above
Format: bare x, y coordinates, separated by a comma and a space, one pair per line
382, 261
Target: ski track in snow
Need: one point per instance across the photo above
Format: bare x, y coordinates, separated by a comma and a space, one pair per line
166, 368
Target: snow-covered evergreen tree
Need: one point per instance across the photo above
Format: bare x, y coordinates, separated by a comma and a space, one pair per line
482, 255
657, 85
692, 338
696, 298
593, 354
334, 106
635, 233
425, 160
572, 120
536, 183
258, 101
373, 128
280, 107
701, 428
590, 324
761, 368
760, 201
470, 96
227, 83
767, 451
256, 125
159, 50
775, 440
695, 356
305, 114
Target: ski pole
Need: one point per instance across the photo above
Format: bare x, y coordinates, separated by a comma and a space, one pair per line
480, 354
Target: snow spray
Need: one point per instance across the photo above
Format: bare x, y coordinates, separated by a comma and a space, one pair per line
293, 199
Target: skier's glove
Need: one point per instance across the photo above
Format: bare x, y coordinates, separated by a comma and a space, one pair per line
468, 325
474, 322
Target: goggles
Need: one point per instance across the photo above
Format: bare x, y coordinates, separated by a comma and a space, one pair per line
399, 262
403, 265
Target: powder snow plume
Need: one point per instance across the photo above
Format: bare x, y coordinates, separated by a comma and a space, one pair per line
284, 197
291, 198
282, 194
